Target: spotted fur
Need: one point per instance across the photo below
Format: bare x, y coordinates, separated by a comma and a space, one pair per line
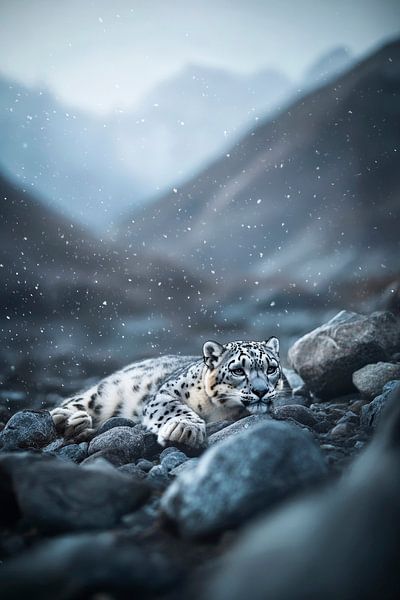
175, 396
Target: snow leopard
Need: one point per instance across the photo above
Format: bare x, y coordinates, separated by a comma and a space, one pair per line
175, 396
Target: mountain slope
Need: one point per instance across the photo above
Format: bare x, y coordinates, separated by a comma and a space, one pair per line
307, 199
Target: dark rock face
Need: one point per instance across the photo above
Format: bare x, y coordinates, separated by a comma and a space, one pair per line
371, 413
242, 475
126, 442
370, 379
74, 566
318, 547
327, 357
54, 495
28, 429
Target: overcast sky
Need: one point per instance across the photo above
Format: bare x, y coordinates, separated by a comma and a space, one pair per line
100, 55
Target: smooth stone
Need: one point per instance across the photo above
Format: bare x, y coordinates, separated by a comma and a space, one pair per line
75, 452
242, 475
237, 427
173, 460
115, 422
55, 496
370, 379
126, 442
327, 357
299, 413
28, 429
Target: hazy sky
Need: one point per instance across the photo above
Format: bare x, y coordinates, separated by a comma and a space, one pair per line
101, 55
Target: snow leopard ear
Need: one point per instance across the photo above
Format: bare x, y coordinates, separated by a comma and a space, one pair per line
211, 353
273, 344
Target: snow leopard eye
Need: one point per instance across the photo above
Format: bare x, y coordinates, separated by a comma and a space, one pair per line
271, 369
239, 372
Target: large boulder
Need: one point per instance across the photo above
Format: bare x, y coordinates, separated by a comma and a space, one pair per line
327, 357
243, 474
28, 429
340, 542
55, 495
369, 380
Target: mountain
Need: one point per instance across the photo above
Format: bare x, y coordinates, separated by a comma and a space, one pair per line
186, 121
329, 65
93, 168
66, 156
306, 203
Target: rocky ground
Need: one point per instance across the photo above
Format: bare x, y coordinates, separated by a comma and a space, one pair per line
118, 516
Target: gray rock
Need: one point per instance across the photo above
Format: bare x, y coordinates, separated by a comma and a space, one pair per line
75, 452
111, 456
78, 566
115, 422
371, 413
133, 470
237, 427
319, 546
151, 447
327, 357
158, 477
369, 380
126, 442
173, 460
242, 475
299, 413
54, 495
28, 429
295, 381
144, 465
54, 446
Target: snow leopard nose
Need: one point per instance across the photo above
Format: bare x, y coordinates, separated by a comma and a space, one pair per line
259, 387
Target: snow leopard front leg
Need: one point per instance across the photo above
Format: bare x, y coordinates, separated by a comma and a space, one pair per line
173, 421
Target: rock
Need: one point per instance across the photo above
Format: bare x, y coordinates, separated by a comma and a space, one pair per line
75, 452
111, 456
54, 446
371, 413
158, 478
133, 470
166, 451
78, 566
296, 382
28, 429
151, 447
144, 465
327, 357
126, 442
341, 430
189, 464
369, 380
212, 428
299, 413
319, 546
242, 475
173, 460
237, 427
115, 422
55, 496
